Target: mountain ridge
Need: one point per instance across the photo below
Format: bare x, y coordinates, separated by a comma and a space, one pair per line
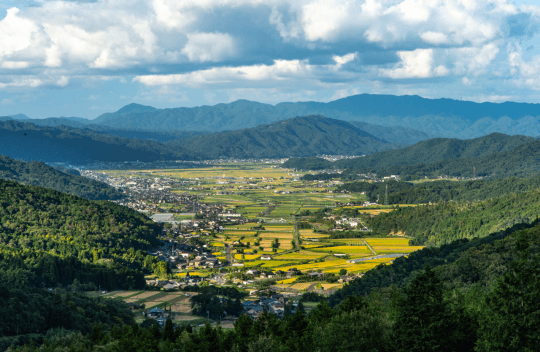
308, 135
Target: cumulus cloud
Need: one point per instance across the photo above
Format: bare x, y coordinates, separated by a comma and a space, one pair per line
415, 64
254, 43
214, 47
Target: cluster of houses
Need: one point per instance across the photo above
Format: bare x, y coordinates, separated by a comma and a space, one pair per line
274, 304
186, 256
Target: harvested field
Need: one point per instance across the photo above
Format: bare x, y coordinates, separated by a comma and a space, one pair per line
146, 295
167, 298
181, 308
125, 293
186, 317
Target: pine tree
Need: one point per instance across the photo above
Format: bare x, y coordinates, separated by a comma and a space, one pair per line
511, 319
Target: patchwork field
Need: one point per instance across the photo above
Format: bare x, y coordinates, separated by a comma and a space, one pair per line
344, 249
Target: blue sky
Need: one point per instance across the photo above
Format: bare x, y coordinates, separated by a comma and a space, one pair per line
84, 58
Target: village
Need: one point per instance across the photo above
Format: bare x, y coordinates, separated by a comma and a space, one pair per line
253, 229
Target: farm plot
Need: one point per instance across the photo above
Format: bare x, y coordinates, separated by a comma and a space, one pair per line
344, 249
146, 295
246, 256
302, 286
394, 242
391, 250
280, 235
302, 255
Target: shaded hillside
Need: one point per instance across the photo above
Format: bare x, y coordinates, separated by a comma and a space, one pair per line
393, 134
53, 238
435, 117
445, 156
158, 136
300, 136
38, 174
27, 141
437, 191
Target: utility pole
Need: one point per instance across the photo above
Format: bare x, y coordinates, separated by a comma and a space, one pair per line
474, 172
386, 196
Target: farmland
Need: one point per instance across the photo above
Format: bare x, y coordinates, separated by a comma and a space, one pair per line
270, 201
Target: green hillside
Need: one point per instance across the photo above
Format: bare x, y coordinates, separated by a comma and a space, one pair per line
38, 174
27, 141
300, 136
436, 191
445, 222
48, 238
425, 152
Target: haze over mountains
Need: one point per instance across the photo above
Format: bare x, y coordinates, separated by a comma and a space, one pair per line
299, 136
38, 174
433, 117
27, 141
495, 155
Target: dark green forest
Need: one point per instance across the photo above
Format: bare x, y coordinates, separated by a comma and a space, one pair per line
299, 136
33, 315
438, 191
444, 222
26, 141
495, 155
48, 238
39, 174
425, 152
463, 303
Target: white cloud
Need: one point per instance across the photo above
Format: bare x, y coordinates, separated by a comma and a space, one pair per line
414, 64
279, 71
434, 37
204, 47
14, 64
285, 44
15, 33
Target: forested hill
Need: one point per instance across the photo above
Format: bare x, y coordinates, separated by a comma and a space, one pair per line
48, 238
436, 117
438, 191
39, 174
425, 152
445, 222
300, 136
27, 141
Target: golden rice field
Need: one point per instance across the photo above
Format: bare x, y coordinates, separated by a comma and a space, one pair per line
237, 233
389, 250
331, 286
191, 273
246, 256
344, 249
279, 235
217, 244
376, 211
387, 241
287, 281
299, 256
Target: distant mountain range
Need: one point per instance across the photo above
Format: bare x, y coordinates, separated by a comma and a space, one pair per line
435, 117
299, 136
39, 174
432, 117
493, 155
27, 141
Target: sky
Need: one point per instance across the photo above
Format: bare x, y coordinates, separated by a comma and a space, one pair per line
84, 58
